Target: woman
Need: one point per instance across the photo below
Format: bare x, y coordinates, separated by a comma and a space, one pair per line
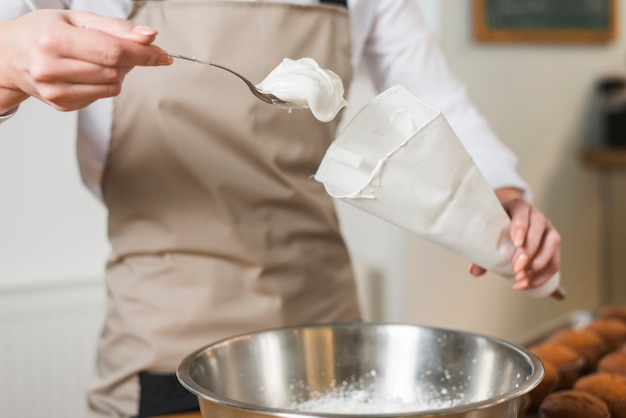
215, 225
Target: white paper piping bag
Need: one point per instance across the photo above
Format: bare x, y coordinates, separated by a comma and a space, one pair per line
400, 160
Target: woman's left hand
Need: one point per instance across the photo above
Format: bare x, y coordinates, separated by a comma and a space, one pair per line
538, 254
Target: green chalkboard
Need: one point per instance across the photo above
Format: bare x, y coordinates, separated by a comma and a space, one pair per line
545, 20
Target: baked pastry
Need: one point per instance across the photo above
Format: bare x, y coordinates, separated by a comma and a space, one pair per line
568, 362
614, 362
613, 311
610, 387
548, 384
612, 329
587, 342
573, 404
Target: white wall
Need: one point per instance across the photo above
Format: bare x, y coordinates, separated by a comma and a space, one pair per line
51, 228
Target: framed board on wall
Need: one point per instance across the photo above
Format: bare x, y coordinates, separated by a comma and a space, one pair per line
568, 21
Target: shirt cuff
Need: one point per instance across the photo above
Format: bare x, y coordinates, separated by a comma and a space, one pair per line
5, 116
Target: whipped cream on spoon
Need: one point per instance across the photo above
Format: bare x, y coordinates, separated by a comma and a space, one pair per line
303, 84
295, 84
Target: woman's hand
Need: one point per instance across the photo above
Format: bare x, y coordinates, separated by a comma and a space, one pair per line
69, 59
538, 254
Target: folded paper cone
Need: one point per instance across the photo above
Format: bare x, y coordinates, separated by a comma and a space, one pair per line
400, 160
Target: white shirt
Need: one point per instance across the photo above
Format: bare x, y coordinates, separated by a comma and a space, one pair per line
390, 40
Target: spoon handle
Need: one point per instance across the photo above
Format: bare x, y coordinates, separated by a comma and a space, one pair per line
184, 57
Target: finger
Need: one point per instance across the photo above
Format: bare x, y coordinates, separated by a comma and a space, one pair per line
536, 233
79, 72
476, 270
120, 28
523, 274
109, 51
536, 279
521, 284
520, 260
142, 34
66, 97
524, 280
530, 278
519, 211
549, 251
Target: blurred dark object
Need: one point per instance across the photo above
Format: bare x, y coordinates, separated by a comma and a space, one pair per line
612, 90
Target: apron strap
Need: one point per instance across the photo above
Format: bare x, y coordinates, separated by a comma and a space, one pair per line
343, 3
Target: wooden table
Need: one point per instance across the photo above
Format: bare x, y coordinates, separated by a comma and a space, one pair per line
186, 415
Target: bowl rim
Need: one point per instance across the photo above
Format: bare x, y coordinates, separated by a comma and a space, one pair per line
536, 376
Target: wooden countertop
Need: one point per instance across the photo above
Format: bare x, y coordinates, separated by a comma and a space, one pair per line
186, 415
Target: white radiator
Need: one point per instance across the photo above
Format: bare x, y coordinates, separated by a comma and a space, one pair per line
48, 337
47, 344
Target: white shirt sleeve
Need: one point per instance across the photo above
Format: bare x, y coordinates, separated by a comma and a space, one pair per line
395, 46
12, 9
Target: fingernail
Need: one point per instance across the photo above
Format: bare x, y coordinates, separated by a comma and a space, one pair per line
520, 262
518, 240
165, 59
144, 30
522, 284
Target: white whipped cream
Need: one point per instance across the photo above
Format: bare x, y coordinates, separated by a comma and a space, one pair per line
304, 84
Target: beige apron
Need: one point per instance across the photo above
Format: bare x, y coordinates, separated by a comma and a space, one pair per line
215, 223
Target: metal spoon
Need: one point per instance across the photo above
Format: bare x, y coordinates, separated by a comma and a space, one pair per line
262, 95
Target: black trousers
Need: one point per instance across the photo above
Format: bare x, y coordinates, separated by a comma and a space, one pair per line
162, 394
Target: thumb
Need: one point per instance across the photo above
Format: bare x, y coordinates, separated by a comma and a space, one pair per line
475, 270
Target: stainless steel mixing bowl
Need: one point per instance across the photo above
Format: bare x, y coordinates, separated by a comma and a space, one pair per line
361, 369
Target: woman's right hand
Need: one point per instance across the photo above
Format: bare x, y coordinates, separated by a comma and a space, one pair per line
69, 59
